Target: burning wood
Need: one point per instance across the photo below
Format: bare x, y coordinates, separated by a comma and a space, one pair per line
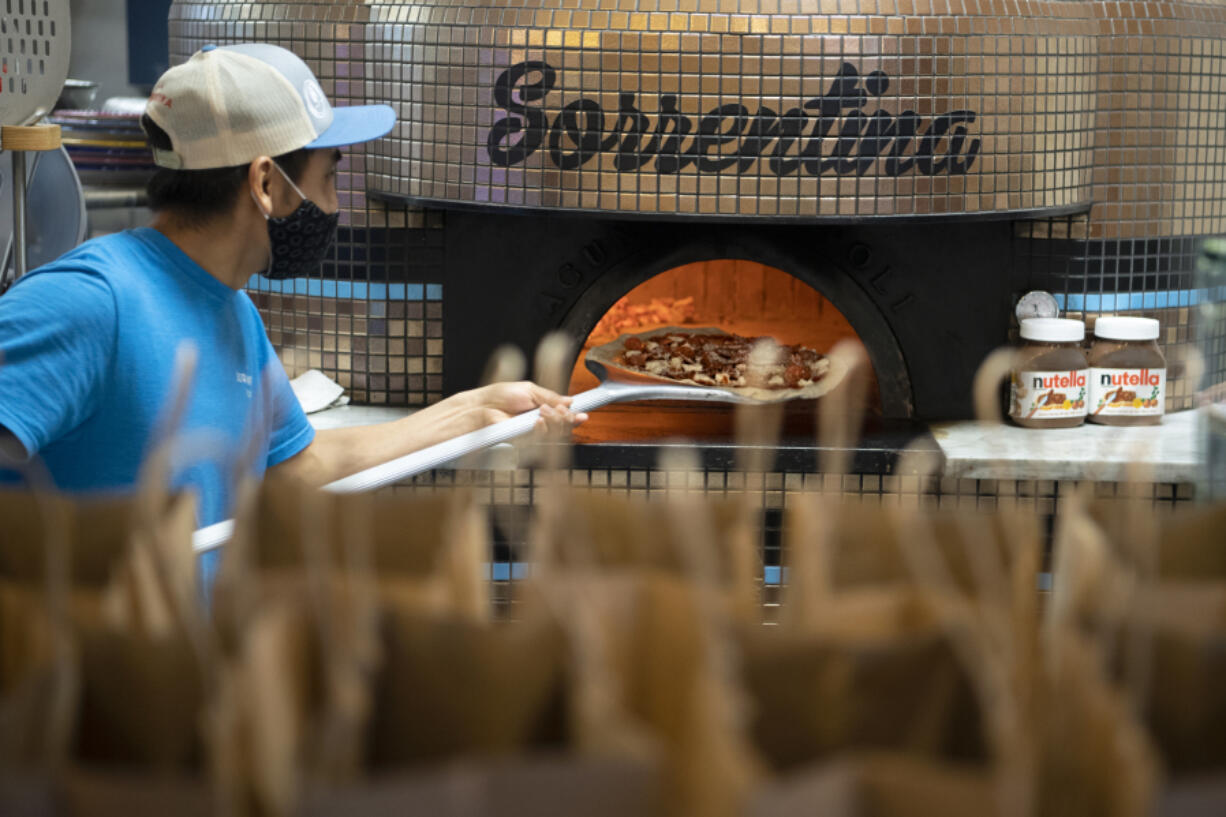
625, 316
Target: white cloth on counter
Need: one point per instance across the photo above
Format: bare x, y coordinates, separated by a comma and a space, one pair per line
316, 391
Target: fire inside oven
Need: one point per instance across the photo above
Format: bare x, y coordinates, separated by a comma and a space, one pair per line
742, 297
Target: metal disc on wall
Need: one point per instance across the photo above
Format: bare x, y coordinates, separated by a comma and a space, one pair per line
35, 65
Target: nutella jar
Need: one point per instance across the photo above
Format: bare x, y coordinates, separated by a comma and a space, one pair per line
1127, 372
1051, 374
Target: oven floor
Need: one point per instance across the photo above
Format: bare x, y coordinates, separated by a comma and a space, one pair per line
656, 421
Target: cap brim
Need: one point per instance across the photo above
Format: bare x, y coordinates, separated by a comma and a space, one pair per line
355, 124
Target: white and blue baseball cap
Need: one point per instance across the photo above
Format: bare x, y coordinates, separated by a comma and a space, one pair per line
229, 105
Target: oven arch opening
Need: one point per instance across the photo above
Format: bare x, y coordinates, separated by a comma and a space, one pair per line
715, 276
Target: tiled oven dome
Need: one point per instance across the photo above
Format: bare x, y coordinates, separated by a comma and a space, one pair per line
735, 108
847, 109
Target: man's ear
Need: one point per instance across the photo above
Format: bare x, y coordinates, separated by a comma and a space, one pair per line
259, 183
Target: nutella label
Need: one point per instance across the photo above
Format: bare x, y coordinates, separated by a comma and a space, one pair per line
1049, 395
1127, 392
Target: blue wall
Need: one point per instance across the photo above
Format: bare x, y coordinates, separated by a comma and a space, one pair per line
148, 38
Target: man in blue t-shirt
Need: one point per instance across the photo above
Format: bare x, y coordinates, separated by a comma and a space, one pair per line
248, 146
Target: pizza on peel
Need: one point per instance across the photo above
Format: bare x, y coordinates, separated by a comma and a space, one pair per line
756, 368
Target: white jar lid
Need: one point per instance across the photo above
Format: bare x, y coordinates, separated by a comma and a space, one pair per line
1053, 330
1116, 327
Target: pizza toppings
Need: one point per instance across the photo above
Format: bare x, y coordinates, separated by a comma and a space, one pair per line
724, 360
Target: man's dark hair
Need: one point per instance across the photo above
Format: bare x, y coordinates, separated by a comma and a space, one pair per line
198, 196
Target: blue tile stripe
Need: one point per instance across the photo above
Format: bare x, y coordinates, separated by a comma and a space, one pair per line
507, 571
1121, 301
361, 290
775, 576
516, 571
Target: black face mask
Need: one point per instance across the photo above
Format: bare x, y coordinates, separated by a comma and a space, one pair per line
299, 242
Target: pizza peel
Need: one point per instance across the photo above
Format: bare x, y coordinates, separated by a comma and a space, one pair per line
616, 386
608, 392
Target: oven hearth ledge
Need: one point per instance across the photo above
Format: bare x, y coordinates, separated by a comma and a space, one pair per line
1166, 453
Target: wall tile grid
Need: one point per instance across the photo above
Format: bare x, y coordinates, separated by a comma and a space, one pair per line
374, 322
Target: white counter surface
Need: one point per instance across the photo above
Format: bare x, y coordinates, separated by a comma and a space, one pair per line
346, 416
1162, 453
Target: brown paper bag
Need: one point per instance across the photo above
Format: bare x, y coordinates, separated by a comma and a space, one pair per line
654, 679
141, 702
471, 719
142, 683
1195, 797
815, 697
135, 693
1185, 707
1181, 542
450, 687
516, 786
1160, 597
55, 557
94, 535
864, 656
879, 785
902, 636
25, 794
439, 683
404, 535
1094, 757
296, 609
862, 545
619, 532
409, 547
440, 688
117, 793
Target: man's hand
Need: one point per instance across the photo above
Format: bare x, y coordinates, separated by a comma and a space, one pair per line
500, 401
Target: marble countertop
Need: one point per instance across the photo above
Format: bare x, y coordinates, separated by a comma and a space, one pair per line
1161, 453
1167, 452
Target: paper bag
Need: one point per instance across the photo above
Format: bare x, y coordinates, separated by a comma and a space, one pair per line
815, 697
521, 786
878, 785
450, 687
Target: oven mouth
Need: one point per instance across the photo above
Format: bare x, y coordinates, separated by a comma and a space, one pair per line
742, 297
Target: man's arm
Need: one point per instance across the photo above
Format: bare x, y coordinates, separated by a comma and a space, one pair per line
339, 452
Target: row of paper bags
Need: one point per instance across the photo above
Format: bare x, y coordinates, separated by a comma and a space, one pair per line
347, 661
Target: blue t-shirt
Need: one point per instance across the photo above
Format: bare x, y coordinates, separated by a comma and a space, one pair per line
87, 357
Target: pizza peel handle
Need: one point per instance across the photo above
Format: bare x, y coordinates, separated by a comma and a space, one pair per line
441, 453
435, 455
607, 393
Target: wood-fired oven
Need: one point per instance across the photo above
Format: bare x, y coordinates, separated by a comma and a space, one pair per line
898, 170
